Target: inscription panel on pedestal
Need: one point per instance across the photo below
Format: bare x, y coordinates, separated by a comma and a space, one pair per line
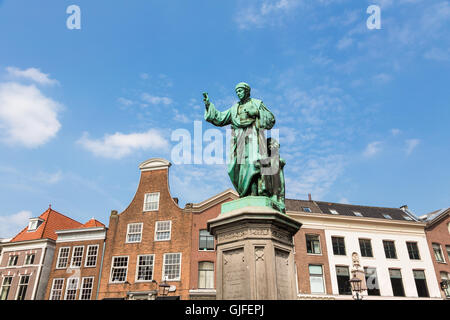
235, 278
282, 274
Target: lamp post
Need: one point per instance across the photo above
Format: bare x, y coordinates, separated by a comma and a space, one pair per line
356, 287
164, 288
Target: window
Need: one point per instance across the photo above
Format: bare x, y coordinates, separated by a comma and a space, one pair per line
91, 256
387, 216
313, 244
357, 213
23, 286
407, 218
134, 232
438, 252
316, 279
334, 211
366, 247
63, 258
13, 260
413, 250
145, 268
343, 278
172, 266
373, 288
77, 257
32, 225
307, 209
445, 277
389, 249
338, 246
205, 275
448, 251
57, 287
206, 240
119, 269
6, 285
162, 230
29, 259
421, 283
86, 288
71, 289
396, 282
151, 201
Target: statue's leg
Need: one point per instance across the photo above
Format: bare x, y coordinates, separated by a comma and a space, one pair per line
254, 188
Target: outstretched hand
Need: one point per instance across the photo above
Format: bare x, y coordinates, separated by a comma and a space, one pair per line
206, 100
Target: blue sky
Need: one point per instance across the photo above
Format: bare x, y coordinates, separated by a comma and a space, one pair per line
363, 114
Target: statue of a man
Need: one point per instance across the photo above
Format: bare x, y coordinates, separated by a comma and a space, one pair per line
248, 119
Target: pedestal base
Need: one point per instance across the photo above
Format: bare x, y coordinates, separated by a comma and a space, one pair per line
255, 254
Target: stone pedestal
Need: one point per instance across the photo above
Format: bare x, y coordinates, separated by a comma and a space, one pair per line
255, 251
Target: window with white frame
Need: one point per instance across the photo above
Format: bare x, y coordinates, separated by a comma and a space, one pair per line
334, 211
145, 268
6, 285
57, 288
162, 230
77, 256
205, 275
86, 288
29, 259
13, 260
438, 252
63, 258
172, 266
151, 201
316, 279
134, 232
91, 256
119, 269
71, 289
23, 286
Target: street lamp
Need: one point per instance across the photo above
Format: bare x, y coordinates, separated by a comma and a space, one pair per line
164, 288
355, 283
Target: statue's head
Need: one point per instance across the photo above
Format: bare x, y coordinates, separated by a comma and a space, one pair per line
242, 90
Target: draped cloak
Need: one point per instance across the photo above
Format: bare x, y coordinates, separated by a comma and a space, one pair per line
248, 142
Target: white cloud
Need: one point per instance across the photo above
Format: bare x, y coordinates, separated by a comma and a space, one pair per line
155, 100
437, 55
395, 132
344, 43
119, 145
32, 74
10, 225
125, 102
372, 148
27, 117
411, 144
382, 78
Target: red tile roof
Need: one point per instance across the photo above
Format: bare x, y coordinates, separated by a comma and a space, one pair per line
93, 223
53, 221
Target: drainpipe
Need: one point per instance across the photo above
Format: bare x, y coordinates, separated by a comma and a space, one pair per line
38, 276
101, 268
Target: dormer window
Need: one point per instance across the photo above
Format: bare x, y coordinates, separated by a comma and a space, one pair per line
151, 201
307, 209
387, 216
357, 213
334, 211
34, 224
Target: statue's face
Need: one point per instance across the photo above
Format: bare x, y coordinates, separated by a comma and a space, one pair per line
240, 93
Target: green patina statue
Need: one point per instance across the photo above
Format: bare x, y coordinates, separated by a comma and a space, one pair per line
255, 168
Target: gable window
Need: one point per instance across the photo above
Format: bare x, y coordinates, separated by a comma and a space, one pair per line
373, 288
162, 230
77, 257
151, 201
86, 288
119, 269
316, 279
389, 249
438, 252
413, 250
57, 287
13, 260
313, 244
71, 289
172, 266
63, 258
307, 209
205, 275
366, 247
421, 283
338, 246
134, 232
29, 259
91, 256
23, 286
396, 282
206, 240
145, 268
343, 278
6, 285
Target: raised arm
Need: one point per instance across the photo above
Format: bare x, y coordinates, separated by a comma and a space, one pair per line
213, 115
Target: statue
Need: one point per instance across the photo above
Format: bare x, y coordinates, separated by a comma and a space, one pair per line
254, 168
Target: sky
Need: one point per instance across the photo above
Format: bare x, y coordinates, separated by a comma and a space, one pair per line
362, 113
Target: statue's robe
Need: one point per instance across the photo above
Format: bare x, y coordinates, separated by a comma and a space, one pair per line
248, 143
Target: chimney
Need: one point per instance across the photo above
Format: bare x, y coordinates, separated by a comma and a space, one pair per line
309, 197
404, 207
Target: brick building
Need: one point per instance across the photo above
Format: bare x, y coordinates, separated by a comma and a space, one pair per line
27, 258
77, 262
149, 242
438, 237
203, 254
